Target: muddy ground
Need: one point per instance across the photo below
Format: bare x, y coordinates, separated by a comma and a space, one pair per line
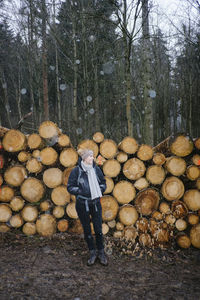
55, 268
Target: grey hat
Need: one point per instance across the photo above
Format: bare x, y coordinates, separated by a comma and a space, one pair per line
85, 153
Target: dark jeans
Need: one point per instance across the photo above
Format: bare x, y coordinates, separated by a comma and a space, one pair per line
95, 211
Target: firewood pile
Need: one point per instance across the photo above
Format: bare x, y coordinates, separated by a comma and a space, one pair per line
152, 196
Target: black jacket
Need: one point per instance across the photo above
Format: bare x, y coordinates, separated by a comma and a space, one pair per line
78, 183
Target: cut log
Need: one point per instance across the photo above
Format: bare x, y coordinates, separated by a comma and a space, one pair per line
119, 226
172, 188
16, 221
111, 168
3, 130
109, 185
5, 213
89, 144
163, 147
108, 149
159, 158
145, 152
192, 199
1, 179
197, 143
193, 172
142, 225
4, 228
141, 183
14, 176
196, 159
170, 219
128, 145
23, 156
128, 214
181, 224
49, 130
14, 141
58, 212
76, 227
109, 208
64, 141
155, 174
175, 165
68, 157
112, 224
164, 208
2, 161
71, 210
52, 177
45, 205
46, 225
33, 165
98, 137
29, 228
130, 233
35, 141
6, 193
157, 215
124, 192
60, 195
17, 203
66, 174
36, 154
29, 213
134, 169
183, 241
147, 201
48, 156
145, 240
100, 160
118, 234
32, 190
105, 228
63, 225
161, 235
195, 236
181, 145
179, 209
122, 157
198, 184
193, 219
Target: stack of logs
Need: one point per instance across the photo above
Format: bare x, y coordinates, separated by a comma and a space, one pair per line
152, 194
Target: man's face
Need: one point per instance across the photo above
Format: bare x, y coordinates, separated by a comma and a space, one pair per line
89, 160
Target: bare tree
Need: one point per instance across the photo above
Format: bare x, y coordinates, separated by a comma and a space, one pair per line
127, 14
44, 60
148, 104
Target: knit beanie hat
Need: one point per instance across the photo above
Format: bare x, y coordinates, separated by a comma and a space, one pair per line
84, 153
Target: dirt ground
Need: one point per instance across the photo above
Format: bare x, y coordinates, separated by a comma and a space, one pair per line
55, 268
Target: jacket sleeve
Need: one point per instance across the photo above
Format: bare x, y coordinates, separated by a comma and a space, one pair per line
102, 180
72, 185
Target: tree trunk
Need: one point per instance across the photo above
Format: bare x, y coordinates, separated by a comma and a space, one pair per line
148, 125
44, 62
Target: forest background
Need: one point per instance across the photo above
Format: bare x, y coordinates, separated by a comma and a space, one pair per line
101, 65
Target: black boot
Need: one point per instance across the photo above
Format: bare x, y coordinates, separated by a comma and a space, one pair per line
102, 257
92, 258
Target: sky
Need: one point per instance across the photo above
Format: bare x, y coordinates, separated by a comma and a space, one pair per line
164, 13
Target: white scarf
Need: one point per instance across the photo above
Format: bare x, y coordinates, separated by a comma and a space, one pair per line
92, 178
